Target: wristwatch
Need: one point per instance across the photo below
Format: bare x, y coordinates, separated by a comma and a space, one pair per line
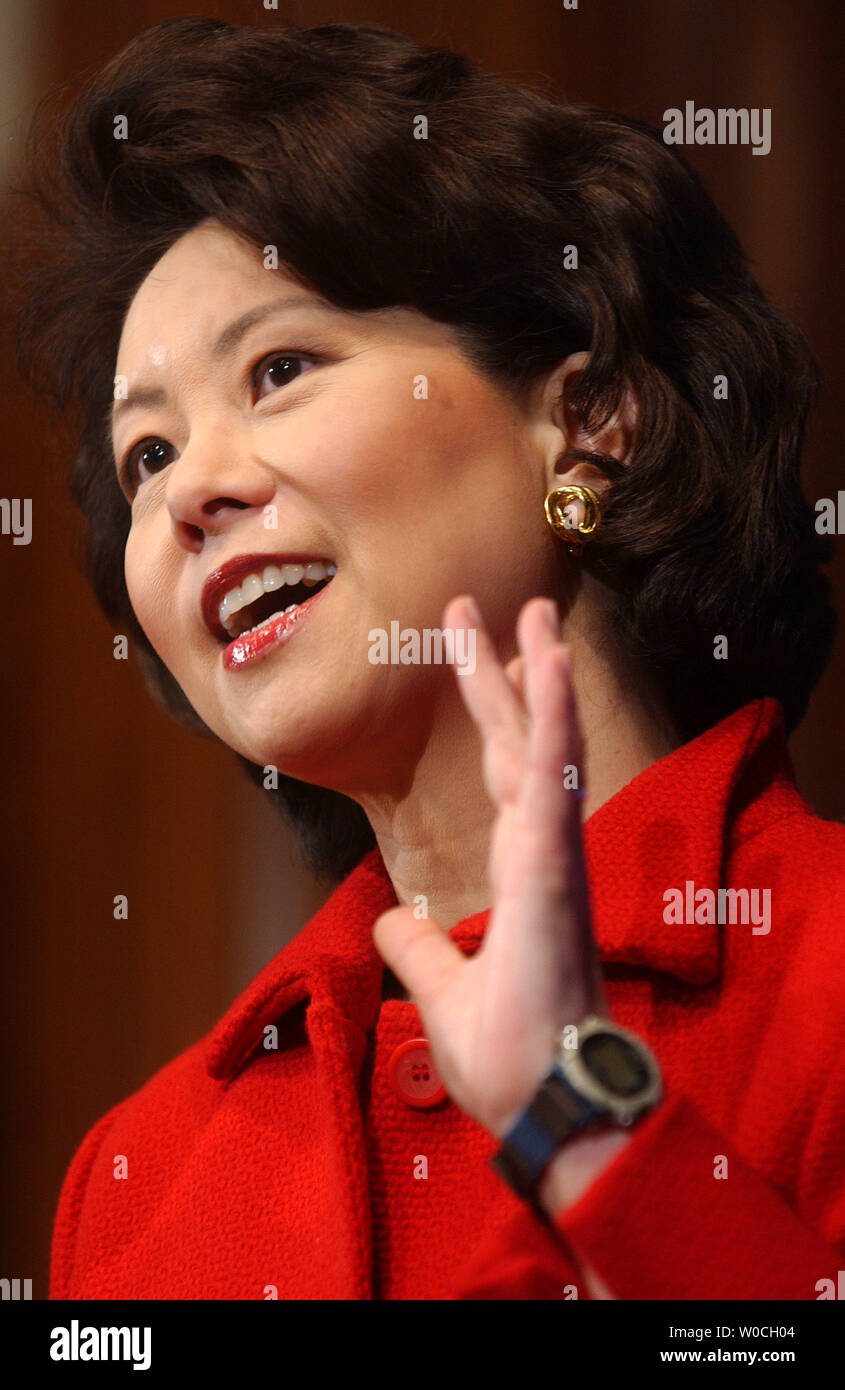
604, 1073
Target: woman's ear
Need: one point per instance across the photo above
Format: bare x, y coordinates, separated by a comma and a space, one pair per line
567, 438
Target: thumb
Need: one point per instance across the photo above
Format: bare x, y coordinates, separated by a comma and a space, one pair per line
419, 953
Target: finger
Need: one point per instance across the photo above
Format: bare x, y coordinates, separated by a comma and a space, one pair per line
547, 805
554, 730
549, 809
489, 695
553, 748
419, 953
537, 629
494, 704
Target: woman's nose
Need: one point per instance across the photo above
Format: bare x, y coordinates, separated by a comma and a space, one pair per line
214, 479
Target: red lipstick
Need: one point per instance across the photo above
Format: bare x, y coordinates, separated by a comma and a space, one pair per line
246, 650
231, 573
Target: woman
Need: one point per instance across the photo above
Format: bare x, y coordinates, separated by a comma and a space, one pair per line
474, 378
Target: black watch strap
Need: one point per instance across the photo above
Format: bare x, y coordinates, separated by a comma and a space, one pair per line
556, 1112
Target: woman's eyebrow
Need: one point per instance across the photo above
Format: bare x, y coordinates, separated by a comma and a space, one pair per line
230, 336
225, 343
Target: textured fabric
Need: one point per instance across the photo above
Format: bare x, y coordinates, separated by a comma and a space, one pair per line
295, 1171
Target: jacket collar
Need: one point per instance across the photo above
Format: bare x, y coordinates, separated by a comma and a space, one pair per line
677, 820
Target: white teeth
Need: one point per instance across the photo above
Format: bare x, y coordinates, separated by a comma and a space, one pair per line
272, 618
251, 588
230, 604
272, 577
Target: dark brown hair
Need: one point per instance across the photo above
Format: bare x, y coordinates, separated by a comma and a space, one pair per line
305, 139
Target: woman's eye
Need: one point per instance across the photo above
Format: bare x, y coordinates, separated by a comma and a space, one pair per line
278, 369
146, 458
150, 456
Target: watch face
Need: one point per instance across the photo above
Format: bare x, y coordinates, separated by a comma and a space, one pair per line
614, 1063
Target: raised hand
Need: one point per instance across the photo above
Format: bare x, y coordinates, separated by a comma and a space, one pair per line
492, 1020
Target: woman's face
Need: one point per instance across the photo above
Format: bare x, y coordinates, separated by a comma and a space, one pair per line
295, 434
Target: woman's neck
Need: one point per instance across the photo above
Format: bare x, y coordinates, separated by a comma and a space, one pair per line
435, 837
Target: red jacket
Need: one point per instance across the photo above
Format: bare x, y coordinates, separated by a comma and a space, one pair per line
302, 1172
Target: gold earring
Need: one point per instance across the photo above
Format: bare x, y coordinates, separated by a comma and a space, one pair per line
574, 533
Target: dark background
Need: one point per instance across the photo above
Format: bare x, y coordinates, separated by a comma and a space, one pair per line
103, 794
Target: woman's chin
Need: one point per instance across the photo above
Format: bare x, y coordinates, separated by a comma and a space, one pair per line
295, 745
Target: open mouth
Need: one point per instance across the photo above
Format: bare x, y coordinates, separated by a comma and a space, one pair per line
269, 593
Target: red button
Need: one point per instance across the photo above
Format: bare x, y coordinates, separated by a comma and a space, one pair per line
413, 1075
